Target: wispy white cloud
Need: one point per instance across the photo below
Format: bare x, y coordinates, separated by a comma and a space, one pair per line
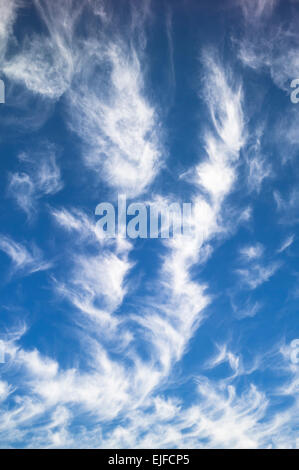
257, 274
257, 10
75, 220
270, 46
119, 126
258, 171
45, 63
224, 355
114, 117
41, 178
21, 188
251, 252
23, 260
96, 284
8, 17
258, 166
4, 390
248, 309
287, 206
286, 244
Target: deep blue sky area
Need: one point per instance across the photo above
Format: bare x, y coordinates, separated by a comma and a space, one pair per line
184, 342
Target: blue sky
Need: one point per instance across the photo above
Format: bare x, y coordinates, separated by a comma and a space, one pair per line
189, 342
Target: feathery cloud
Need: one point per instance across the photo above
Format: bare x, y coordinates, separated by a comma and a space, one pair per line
23, 260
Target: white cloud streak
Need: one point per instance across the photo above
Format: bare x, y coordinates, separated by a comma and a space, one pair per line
23, 260
286, 244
